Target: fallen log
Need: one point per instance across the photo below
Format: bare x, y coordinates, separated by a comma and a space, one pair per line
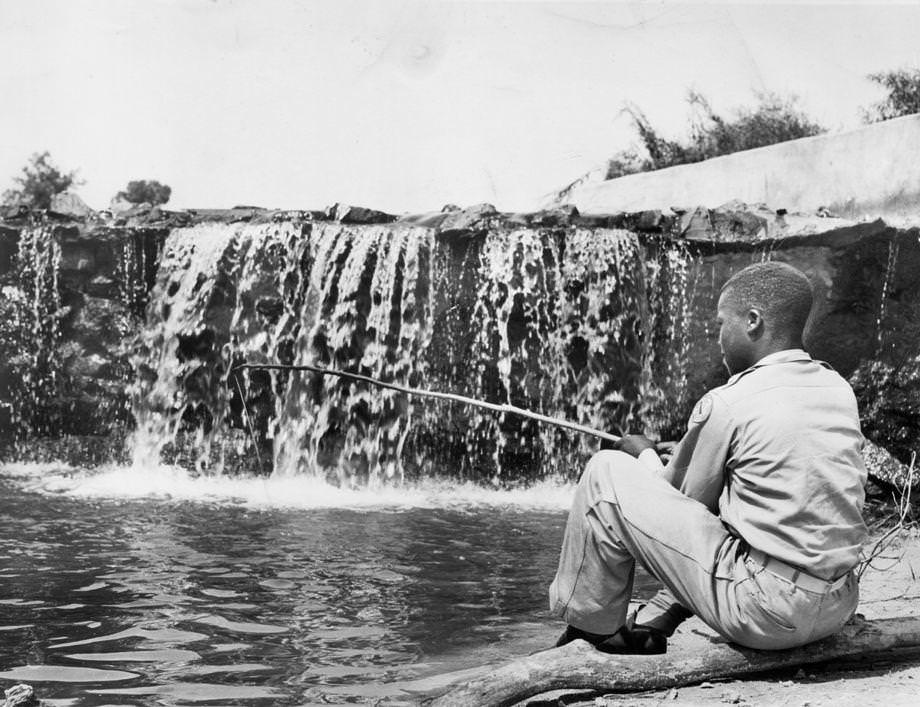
578, 666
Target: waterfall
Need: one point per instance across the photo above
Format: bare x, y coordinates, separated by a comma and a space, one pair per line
365, 307
206, 299
566, 323
109, 330
891, 266
29, 334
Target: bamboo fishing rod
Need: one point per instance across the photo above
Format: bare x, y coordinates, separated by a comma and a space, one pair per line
494, 407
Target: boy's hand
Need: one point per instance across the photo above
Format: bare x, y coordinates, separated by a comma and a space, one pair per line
665, 450
634, 445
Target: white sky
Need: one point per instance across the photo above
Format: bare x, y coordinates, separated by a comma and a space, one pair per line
402, 106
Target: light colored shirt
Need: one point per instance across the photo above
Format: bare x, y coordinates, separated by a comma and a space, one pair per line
776, 453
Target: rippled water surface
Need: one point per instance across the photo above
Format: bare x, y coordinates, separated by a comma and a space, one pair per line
109, 599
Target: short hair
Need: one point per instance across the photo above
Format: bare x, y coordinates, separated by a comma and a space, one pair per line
781, 292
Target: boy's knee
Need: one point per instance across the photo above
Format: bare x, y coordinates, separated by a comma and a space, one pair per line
610, 462
606, 467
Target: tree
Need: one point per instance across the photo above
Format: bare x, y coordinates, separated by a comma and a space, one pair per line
903, 86
39, 182
145, 191
775, 119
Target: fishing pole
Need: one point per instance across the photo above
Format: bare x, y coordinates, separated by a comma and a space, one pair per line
494, 407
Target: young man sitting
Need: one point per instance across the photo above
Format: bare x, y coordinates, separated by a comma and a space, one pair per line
755, 524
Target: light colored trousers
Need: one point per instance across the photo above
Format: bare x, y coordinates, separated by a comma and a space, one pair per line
623, 512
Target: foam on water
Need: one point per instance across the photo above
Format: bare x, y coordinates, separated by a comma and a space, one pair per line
172, 483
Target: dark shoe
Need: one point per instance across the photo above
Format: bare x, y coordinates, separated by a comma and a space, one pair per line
628, 640
573, 634
635, 640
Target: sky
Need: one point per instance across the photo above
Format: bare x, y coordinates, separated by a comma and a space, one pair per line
403, 106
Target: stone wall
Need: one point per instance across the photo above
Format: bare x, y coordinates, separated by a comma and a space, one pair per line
870, 170
73, 300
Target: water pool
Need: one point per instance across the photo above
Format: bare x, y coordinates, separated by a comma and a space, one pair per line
127, 588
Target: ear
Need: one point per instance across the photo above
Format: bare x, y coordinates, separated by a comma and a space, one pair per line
755, 323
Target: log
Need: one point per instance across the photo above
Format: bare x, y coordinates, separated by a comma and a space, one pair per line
578, 666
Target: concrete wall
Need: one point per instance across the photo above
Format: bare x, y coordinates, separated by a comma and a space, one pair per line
869, 171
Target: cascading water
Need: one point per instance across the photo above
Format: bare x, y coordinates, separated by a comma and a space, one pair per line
365, 308
566, 323
29, 333
558, 332
890, 271
210, 279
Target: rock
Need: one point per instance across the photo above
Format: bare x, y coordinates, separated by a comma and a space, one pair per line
431, 219
9, 247
650, 220
882, 466
135, 211
889, 400
99, 324
473, 219
696, 225
520, 220
79, 257
70, 205
271, 308
177, 219
563, 215
119, 205
344, 213
734, 221
14, 211
20, 695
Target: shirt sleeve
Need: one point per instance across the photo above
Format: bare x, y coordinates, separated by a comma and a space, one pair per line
699, 464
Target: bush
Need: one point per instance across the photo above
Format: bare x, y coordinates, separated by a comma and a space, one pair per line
145, 191
39, 182
775, 119
903, 98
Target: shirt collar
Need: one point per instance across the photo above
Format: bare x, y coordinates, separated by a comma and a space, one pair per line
784, 356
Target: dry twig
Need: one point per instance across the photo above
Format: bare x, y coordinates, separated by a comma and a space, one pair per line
902, 502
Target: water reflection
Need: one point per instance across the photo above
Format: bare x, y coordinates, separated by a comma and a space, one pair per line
164, 602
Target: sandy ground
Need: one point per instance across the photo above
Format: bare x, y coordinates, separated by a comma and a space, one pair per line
889, 588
